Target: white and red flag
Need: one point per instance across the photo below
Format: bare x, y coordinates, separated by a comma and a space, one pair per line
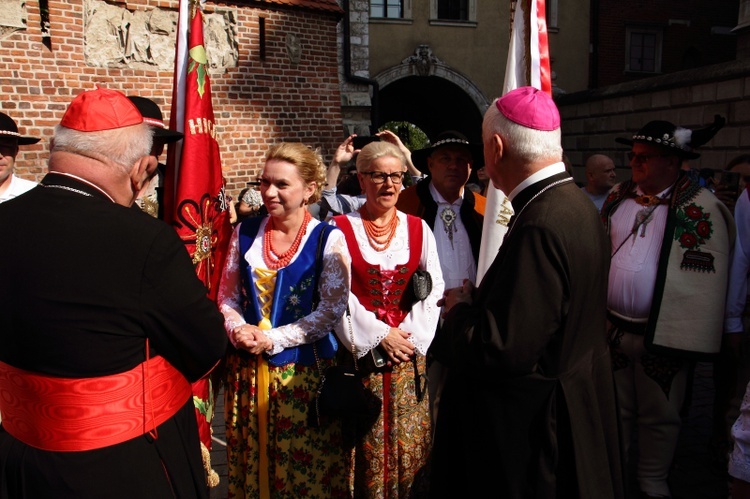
194, 199
527, 65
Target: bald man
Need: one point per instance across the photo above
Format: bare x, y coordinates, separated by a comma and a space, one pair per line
600, 178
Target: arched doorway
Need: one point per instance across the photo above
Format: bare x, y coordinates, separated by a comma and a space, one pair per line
432, 103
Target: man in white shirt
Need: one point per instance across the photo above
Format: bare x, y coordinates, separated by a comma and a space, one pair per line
10, 185
454, 213
670, 243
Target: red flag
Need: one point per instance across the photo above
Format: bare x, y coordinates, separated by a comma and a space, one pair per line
528, 64
194, 199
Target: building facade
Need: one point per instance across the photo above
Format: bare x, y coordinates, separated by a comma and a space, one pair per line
274, 70
438, 64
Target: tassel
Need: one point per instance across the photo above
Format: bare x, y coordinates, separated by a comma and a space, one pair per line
212, 478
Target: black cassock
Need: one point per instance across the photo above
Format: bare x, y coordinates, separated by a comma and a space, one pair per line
529, 406
83, 283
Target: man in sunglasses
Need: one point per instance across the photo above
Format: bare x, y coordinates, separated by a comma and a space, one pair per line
670, 245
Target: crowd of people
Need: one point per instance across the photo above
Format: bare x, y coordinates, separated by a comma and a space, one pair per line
528, 381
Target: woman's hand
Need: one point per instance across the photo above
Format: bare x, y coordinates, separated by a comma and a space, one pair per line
345, 151
251, 338
397, 346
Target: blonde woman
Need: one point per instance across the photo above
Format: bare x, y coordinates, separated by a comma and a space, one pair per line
285, 285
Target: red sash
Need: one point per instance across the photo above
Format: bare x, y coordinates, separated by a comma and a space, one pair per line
80, 414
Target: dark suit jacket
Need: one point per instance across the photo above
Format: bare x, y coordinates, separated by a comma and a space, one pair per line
84, 283
529, 405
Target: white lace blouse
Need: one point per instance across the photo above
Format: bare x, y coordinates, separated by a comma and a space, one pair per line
333, 289
422, 320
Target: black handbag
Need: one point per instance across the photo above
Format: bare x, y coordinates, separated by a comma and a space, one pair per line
342, 393
421, 284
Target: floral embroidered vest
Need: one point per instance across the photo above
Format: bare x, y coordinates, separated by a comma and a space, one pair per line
386, 293
293, 295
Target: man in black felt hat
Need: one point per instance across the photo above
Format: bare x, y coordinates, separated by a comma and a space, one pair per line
10, 185
150, 200
670, 245
454, 213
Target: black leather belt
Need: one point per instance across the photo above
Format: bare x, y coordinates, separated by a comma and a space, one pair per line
638, 328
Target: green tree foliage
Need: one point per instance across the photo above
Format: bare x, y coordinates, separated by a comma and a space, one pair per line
411, 135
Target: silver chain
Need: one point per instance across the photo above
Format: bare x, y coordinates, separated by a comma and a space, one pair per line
71, 189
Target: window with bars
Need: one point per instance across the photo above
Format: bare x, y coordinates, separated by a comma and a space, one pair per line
643, 50
390, 9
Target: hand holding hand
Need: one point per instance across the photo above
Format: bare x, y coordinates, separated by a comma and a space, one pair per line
251, 338
397, 346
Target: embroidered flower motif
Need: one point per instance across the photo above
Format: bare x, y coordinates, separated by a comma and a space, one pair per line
703, 228
294, 300
688, 240
694, 212
693, 226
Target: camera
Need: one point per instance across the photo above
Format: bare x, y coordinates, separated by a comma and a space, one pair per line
360, 142
377, 357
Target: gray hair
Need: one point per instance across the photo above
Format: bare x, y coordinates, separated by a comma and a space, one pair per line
375, 150
526, 143
123, 146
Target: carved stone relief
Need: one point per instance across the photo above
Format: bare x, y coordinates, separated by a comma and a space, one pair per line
117, 37
423, 62
13, 16
293, 48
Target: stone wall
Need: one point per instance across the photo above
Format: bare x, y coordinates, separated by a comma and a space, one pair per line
291, 94
356, 103
591, 120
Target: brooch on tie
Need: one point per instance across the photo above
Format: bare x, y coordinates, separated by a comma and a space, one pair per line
448, 216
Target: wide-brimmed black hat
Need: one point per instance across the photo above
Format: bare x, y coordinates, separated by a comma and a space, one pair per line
9, 129
449, 138
152, 115
666, 136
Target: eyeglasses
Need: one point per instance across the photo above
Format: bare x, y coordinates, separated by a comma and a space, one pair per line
379, 177
643, 158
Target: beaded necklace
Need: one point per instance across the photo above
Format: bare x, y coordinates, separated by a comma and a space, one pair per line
271, 257
376, 233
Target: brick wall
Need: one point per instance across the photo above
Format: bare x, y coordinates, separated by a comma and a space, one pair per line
256, 104
592, 120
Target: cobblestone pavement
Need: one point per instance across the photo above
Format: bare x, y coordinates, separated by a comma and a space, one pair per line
694, 476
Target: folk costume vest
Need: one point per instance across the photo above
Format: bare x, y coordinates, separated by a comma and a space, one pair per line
383, 292
294, 294
417, 200
687, 311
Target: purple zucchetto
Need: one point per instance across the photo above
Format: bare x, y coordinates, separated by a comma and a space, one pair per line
530, 107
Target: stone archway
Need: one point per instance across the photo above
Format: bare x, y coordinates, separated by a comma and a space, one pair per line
425, 91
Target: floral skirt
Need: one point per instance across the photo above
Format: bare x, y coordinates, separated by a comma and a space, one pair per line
391, 459
302, 461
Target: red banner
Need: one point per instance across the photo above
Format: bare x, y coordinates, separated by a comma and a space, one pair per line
194, 199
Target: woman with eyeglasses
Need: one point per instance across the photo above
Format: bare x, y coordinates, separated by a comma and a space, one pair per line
387, 328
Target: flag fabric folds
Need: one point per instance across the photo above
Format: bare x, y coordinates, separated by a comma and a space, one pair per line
527, 65
194, 197
528, 50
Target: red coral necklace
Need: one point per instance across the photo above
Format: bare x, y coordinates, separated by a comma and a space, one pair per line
376, 233
272, 258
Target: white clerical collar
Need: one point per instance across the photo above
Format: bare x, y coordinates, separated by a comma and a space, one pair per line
545, 172
439, 199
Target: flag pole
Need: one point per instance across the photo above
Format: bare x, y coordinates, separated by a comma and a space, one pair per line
527, 64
